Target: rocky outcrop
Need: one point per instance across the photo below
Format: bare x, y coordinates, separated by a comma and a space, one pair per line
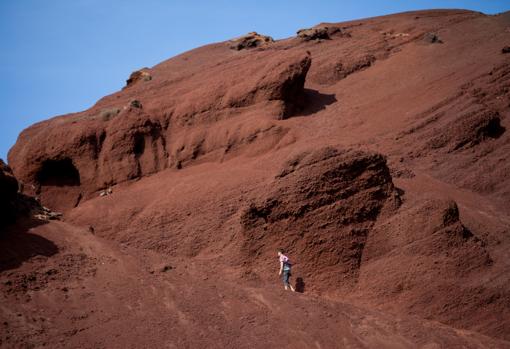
330, 74
319, 33
8, 183
71, 158
313, 34
431, 38
281, 81
441, 259
17, 207
322, 208
137, 76
250, 40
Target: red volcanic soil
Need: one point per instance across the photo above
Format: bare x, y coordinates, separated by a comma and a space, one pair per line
375, 152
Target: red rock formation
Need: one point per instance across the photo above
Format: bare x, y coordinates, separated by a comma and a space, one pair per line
250, 40
68, 158
322, 206
139, 75
388, 186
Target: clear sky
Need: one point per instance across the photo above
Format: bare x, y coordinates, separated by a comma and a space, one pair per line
60, 56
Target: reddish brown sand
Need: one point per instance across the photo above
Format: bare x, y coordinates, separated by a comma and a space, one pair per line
375, 152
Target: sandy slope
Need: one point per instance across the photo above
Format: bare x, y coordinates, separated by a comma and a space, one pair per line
95, 294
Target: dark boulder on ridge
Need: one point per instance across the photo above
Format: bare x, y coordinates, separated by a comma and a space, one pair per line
250, 40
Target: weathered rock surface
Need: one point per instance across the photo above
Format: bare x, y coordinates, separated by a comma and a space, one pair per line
320, 33
15, 206
322, 207
467, 131
250, 40
68, 158
442, 245
313, 34
335, 71
139, 75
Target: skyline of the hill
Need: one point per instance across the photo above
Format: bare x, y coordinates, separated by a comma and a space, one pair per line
60, 57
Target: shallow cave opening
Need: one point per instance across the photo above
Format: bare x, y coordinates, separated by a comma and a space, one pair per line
58, 173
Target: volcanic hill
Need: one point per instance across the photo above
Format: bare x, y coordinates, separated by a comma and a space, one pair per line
375, 152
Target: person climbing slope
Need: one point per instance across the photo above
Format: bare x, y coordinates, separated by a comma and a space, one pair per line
285, 267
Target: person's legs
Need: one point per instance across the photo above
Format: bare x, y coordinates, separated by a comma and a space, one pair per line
285, 278
286, 283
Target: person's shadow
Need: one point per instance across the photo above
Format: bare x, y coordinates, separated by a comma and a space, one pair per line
300, 285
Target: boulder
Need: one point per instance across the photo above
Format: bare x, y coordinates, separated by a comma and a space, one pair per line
313, 34
320, 33
432, 38
137, 76
250, 40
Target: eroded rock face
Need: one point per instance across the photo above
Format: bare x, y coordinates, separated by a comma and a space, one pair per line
440, 250
331, 73
146, 129
283, 81
8, 183
15, 206
322, 208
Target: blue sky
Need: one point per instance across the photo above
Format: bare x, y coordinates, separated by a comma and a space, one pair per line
60, 56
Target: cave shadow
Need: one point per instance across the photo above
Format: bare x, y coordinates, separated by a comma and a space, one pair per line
18, 244
314, 101
59, 173
300, 285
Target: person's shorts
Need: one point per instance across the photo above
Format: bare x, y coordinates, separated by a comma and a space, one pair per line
285, 277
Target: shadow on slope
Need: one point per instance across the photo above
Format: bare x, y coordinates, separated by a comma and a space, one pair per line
18, 245
315, 102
